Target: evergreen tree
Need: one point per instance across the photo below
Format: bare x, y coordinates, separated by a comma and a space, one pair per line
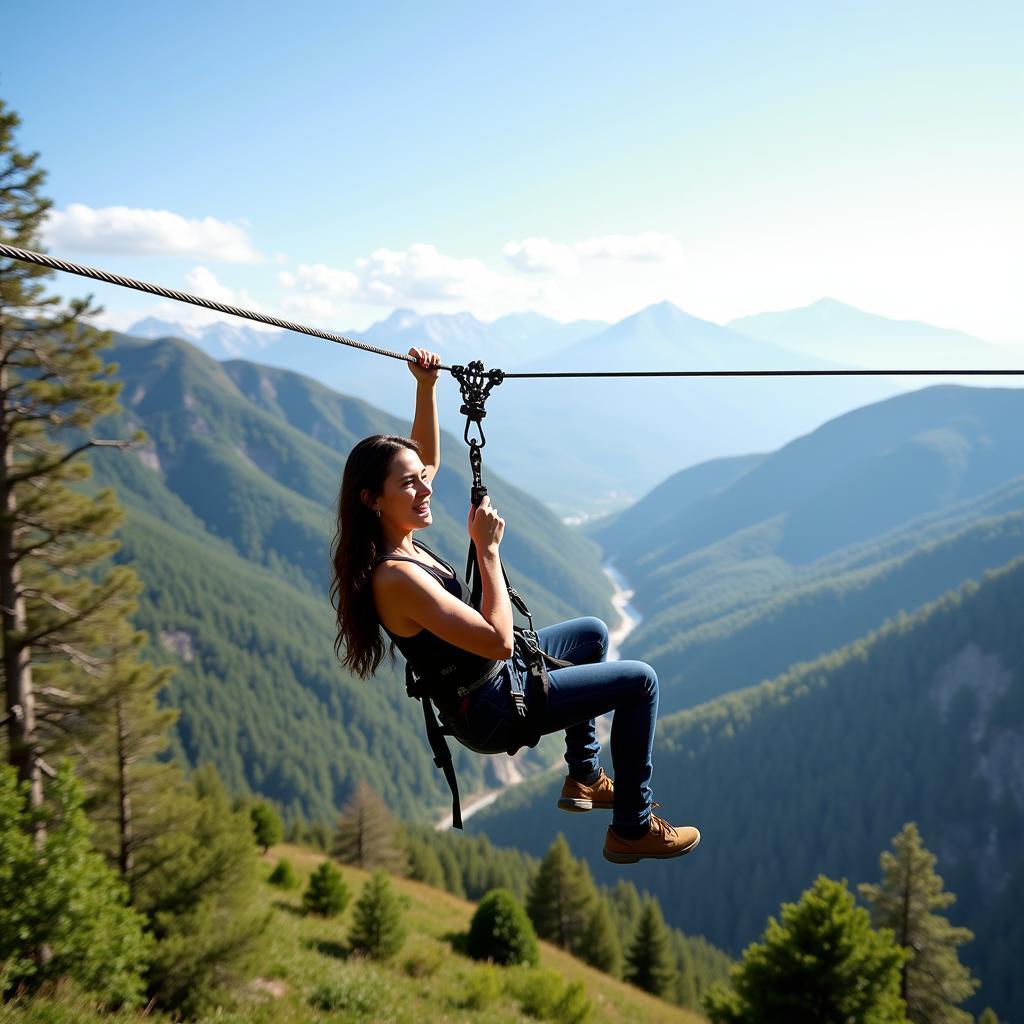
649, 961
266, 825
988, 1016
822, 964
283, 875
326, 893
501, 931
599, 944
625, 905
560, 898
118, 739
200, 889
62, 897
378, 929
58, 612
367, 835
686, 976
933, 982
425, 865
452, 875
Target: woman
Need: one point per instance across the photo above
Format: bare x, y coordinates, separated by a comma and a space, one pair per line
383, 577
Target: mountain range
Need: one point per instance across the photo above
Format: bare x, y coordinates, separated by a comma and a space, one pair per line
575, 440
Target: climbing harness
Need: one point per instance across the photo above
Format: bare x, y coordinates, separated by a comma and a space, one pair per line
529, 696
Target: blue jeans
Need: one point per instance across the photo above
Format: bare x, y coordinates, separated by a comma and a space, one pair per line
590, 687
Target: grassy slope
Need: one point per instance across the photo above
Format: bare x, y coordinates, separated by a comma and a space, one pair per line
307, 952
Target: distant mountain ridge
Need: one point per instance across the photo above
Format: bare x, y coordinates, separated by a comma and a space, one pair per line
832, 330
575, 441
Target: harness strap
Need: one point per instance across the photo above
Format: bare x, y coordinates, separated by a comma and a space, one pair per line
439, 748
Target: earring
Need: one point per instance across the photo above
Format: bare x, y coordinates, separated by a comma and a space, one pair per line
377, 510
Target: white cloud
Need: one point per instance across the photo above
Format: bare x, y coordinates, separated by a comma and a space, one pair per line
422, 274
541, 255
320, 278
138, 232
421, 277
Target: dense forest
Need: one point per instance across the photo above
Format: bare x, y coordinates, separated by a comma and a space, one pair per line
814, 772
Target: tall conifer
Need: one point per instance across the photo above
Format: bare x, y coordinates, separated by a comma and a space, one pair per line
561, 896
367, 835
821, 964
650, 964
933, 982
57, 610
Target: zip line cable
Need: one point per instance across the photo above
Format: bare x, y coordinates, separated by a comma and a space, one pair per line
45, 260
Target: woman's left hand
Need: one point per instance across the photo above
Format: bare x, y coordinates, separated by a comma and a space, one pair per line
425, 367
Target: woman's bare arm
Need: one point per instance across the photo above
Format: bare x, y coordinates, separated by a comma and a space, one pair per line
425, 430
408, 592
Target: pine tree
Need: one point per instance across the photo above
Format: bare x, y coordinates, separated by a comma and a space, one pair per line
58, 612
686, 975
367, 835
63, 898
560, 898
326, 893
599, 944
378, 929
624, 903
424, 864
199, 885
821, 964
933, 982
284, 875
988, 1016
118, 740
266, 825
649, 961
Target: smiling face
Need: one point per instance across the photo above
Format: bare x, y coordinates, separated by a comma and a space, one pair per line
404, 502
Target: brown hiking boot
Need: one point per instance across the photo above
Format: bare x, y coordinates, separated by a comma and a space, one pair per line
662, 842
577, 797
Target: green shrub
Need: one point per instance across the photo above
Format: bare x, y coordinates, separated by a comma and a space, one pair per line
327, 893
538, 992
501, 931
426, 962
65, 898
480, 989
357, 995
284, 876
541, 993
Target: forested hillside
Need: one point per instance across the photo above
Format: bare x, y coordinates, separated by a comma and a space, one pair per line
743, 567
817, 770
229, 521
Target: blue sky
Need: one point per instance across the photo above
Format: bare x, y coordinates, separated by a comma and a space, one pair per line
331, 162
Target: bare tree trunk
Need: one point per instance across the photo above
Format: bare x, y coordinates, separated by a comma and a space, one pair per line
23, 753
126, 859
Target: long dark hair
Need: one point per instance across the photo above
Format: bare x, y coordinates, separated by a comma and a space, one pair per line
358, 540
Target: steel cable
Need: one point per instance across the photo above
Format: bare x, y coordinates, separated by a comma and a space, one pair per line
45, 260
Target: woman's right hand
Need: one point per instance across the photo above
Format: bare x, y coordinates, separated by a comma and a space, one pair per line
485, 525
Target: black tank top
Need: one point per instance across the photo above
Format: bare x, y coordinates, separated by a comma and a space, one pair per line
429, 655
